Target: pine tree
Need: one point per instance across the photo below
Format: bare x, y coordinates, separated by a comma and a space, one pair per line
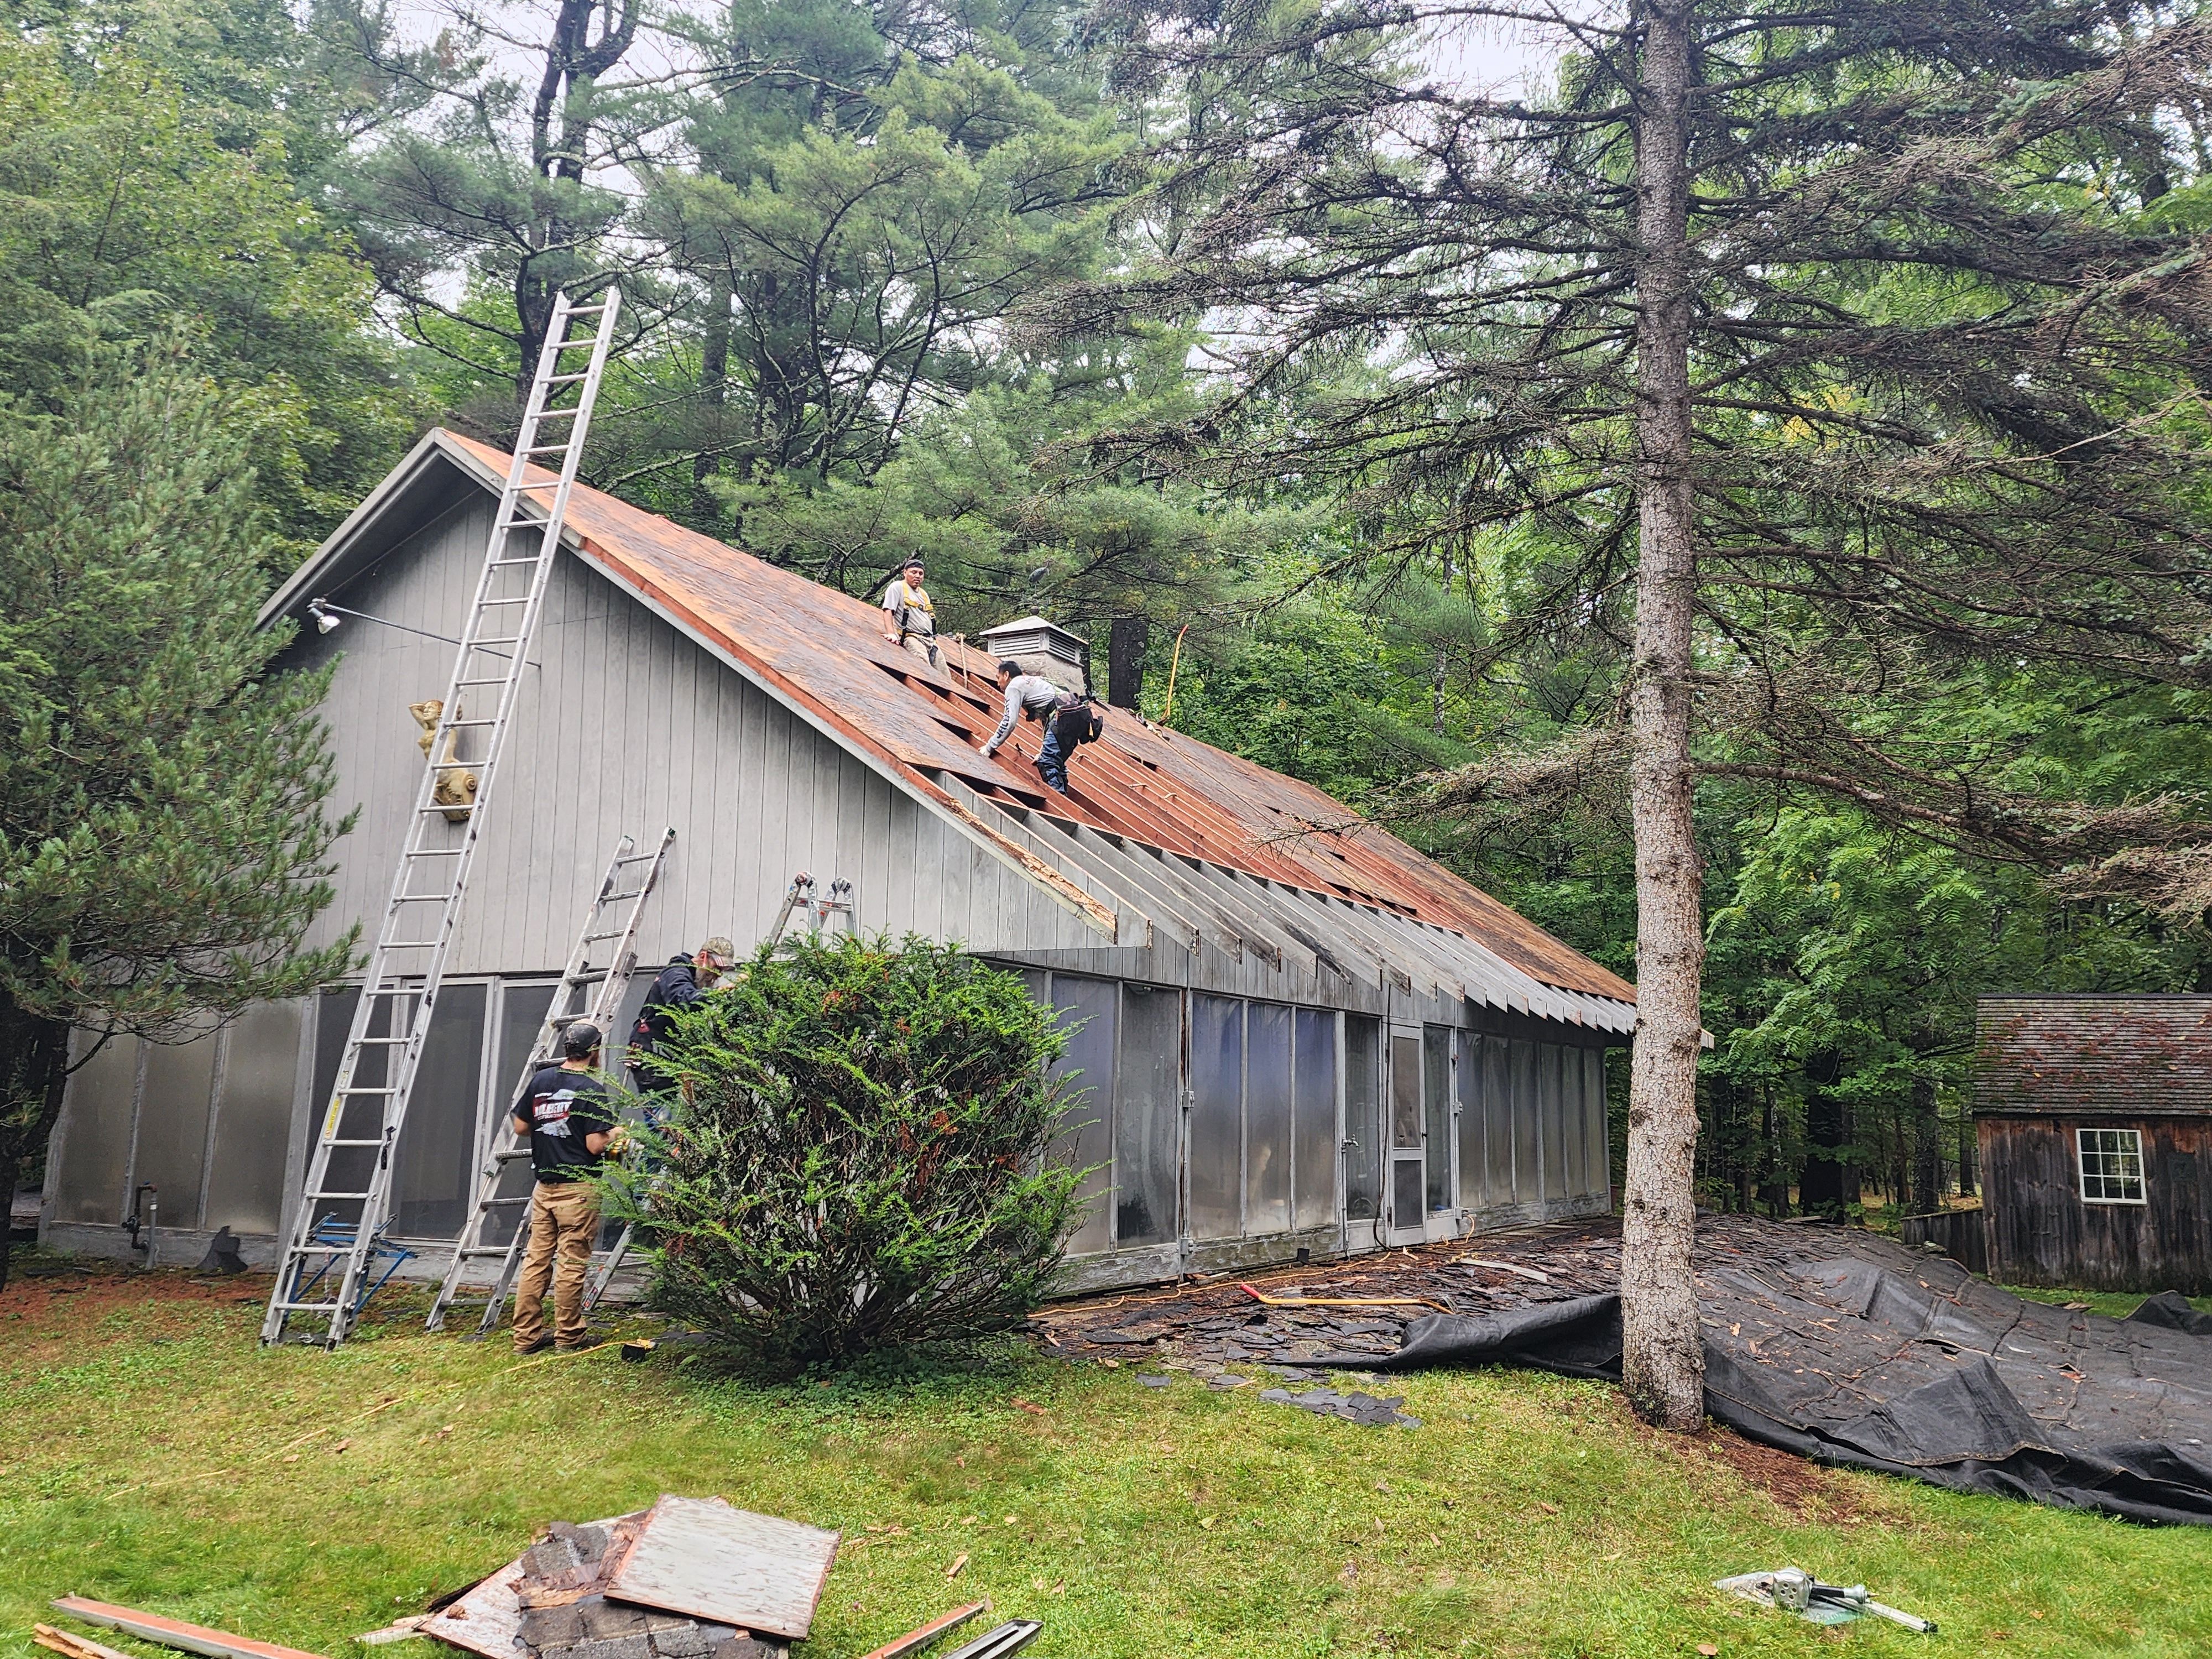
162, 836
1834, 348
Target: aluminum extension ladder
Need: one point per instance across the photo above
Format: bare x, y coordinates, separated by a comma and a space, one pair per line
800, 898
348, 1197
584, 993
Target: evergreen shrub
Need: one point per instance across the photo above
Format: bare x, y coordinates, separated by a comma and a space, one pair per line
861, 1160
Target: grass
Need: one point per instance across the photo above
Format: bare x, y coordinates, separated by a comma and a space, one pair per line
2113, 1304
151, 1454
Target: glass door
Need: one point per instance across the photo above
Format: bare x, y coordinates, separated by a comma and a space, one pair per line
1407, 1186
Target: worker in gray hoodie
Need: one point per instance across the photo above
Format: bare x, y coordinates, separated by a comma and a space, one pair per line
1038, 699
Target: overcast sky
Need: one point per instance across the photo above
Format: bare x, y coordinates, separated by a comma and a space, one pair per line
1480, 56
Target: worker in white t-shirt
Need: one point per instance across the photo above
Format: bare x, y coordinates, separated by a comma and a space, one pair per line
913, 617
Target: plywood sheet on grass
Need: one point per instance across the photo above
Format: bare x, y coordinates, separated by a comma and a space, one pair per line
703, 1557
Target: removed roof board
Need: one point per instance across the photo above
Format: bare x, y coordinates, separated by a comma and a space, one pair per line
174, 1632
700, 1556
489, 1619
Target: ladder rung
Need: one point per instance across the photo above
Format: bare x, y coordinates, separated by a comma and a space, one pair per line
332, 1249
561, 448
509, 1155
309, 1307
364, 1089
409, 944
578, 344
587, 311
564, 379
479, 645
520, 524
497, 679
378, 1141
385, 1042
570, 412
433, 853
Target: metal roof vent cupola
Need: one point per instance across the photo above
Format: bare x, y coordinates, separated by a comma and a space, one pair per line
1042, 647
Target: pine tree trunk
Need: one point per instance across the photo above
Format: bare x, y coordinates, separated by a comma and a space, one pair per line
1926, 1150
34, 1074
1662, 1357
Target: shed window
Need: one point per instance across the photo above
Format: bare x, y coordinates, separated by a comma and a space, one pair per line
2111, 1165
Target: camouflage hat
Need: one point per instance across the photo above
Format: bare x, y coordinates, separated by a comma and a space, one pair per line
723, 953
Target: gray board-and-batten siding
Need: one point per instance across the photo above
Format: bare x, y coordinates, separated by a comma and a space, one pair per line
637, 727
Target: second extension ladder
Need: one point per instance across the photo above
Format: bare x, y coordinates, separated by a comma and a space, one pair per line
585, 992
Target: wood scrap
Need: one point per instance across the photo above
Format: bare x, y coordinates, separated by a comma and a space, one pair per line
174, 1632
1342, 1301
399, 1630
1505, 1268
921, 1636
72, 1645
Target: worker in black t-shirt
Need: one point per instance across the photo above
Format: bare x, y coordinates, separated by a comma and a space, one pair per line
570, 1124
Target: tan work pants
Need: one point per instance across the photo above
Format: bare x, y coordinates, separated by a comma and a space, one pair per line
564, 1225
923, 645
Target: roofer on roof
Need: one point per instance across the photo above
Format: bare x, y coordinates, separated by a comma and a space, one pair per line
1068, 720
913, 618
571, 1125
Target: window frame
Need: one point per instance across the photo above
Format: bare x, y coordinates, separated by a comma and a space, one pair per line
2082, 1152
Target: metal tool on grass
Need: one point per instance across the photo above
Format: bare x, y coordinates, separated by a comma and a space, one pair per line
1793, 1589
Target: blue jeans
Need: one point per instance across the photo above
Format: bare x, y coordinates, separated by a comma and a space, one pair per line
1051, 764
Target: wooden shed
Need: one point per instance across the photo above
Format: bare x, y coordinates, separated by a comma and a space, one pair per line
1297, 1034
2093, 1115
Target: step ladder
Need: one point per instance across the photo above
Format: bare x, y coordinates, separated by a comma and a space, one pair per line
800, 898
346, 1203
585, 992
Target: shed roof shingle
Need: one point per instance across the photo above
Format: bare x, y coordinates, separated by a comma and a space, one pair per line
2094, 1055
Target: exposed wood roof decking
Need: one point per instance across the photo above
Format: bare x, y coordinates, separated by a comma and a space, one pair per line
1159, 826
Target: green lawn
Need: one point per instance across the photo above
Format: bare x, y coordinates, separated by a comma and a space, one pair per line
154, 1455
2114, 1304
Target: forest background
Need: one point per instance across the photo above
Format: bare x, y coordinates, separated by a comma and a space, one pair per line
840, 229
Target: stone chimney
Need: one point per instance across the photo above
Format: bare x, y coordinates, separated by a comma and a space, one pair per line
1042, 647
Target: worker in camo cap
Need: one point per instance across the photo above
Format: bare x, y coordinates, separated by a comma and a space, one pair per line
683, 982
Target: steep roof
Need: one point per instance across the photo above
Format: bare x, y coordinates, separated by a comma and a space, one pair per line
2127, 1056
824, 653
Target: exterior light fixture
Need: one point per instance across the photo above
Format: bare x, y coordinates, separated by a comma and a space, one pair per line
325, 618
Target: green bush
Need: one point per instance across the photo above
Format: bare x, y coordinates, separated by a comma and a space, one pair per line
861, 1161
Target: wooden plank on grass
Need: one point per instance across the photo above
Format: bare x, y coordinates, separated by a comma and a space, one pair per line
700, 1556
915, 1640
174, 1632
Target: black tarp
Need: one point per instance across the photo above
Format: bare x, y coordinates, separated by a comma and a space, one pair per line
1879, 1360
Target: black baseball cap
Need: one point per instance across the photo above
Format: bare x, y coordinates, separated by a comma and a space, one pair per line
581, 1039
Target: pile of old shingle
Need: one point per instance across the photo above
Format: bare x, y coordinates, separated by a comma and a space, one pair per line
689, 1578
